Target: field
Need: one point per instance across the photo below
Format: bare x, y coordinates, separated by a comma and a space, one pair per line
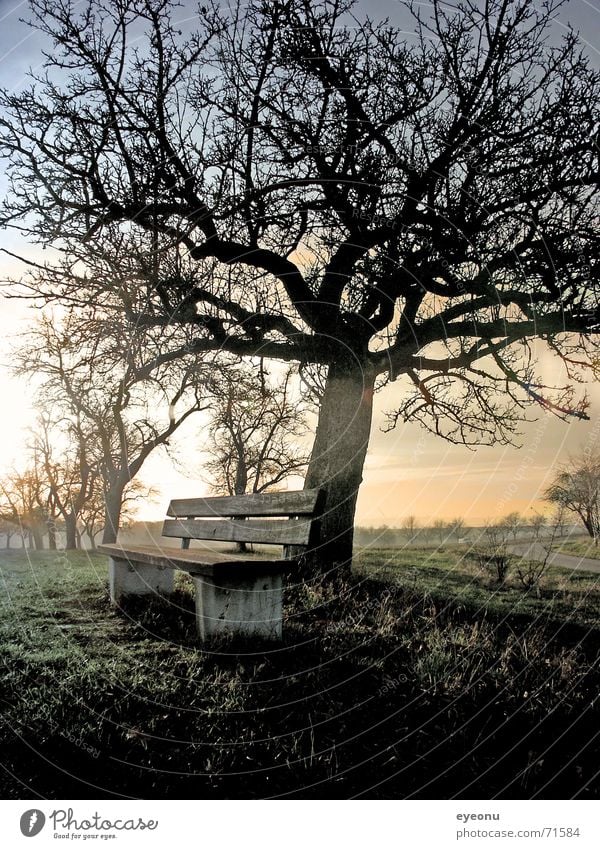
581, 547
417, 678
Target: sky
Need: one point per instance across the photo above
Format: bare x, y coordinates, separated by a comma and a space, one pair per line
407, 472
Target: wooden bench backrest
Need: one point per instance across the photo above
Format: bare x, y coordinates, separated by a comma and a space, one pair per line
247, 518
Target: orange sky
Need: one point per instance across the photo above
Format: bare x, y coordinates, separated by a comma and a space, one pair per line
409, 471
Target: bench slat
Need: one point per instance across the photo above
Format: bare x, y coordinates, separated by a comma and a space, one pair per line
300, 503
194, 562
287, 532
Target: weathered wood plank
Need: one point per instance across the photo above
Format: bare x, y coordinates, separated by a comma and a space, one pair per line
299, 503
287, 532
195, 562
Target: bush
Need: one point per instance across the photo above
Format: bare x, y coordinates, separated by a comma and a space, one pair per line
530, 573
496, 564
493, 556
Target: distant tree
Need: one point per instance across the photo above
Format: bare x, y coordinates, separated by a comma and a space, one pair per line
92, 516
383, 204
255, 427
410, 524
8, 530
23, 496
531, 571
558, 519
457, 526
255, 432
512, 522
538, 522
71, 477
440, 528
52, 520
492, 553
576, 488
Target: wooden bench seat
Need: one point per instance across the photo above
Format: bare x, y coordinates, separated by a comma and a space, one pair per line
235, 593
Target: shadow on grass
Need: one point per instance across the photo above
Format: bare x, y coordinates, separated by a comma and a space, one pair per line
377, 690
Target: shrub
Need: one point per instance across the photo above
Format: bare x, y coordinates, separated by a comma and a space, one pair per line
493, 556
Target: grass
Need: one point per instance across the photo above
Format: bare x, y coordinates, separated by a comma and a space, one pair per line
416, 678
580, 547
450, 576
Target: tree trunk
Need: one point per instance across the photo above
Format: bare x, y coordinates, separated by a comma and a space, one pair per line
37, 537
70, 532
113, 501
51, 525
338, 457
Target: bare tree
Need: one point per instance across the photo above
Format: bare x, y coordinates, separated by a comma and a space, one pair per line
559, 520
441, 529
254, 434
410, 524
256, 425
457, 526
492, 553
23, 495
529, 571
70, 478
116, 395
538, 523
512, 522
8, 530
576, 488
92, 516
381, 205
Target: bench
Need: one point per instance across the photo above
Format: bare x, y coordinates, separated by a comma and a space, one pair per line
239, 594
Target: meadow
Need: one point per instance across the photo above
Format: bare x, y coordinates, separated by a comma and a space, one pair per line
583, 547
417, 678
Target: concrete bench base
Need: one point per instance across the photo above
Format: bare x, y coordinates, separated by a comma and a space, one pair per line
238, 599
130, 578
248, 607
